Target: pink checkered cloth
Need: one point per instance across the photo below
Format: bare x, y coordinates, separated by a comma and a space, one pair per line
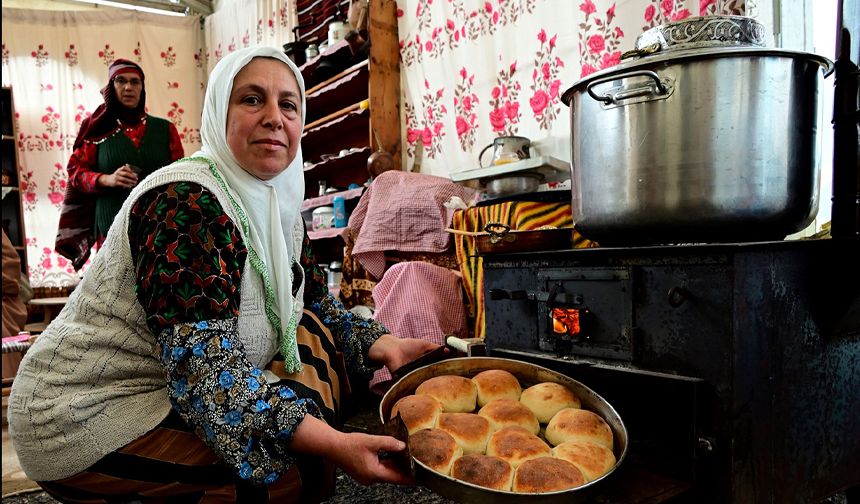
405, 212
418, 300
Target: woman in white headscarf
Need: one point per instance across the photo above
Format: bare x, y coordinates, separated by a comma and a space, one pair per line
201, 354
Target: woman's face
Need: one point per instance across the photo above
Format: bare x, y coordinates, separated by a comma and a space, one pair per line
128, 87
264, 120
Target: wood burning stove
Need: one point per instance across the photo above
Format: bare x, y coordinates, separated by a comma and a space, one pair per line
734, 366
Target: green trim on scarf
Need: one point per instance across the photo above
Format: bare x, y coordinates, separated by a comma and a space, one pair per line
286, 340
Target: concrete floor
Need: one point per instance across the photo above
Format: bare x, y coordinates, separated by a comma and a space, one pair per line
14, 479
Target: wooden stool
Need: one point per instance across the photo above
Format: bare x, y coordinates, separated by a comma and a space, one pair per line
51, 307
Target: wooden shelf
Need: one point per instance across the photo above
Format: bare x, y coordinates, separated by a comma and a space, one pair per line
13, 208
324, 234
338, 172
345, 97
322, 87
346, 131
355, 107
7, 115
311, 64
341, 91
330, 63
328, 199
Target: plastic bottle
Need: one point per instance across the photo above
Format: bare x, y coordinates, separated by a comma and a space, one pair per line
339, 211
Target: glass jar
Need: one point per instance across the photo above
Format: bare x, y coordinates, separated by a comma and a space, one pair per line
323, 218
335, 273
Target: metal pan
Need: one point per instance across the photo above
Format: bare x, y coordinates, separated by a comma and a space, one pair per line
528, 374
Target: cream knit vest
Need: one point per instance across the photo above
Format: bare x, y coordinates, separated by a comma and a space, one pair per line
92, 382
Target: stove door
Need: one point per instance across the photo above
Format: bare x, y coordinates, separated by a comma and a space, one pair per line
585, 312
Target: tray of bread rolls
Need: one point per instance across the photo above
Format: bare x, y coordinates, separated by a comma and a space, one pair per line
485, 429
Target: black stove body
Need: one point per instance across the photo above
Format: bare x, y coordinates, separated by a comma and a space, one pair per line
735, 367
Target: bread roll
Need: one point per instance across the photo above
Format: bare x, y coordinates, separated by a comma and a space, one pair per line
484, 470
435, 448
469, 430
417, 411
496, 384
571, 424
506, 412
546, 474
546, 399
592, 459
516, 445
456, 393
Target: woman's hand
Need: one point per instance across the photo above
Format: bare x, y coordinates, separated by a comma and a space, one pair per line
359, 457
357, 454
394, 352
124, 177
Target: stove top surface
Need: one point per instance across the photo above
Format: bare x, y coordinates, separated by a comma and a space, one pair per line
683, 249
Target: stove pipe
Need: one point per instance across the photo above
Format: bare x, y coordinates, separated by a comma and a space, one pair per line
845, 219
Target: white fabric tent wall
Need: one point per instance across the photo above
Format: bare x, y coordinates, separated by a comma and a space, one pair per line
247, 23
56, 63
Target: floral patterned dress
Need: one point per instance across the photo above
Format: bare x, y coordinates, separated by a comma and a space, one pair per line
189, 259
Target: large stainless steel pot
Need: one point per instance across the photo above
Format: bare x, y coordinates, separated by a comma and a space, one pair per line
696, 145
528, 374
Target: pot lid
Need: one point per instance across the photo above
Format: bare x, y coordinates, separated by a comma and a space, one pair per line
700, 32
698, 38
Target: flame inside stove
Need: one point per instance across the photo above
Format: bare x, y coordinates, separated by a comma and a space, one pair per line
565, 321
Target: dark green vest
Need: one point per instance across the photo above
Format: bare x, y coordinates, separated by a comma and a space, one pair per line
118, 150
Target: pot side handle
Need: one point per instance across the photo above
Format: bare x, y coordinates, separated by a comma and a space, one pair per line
481, 155
610, 98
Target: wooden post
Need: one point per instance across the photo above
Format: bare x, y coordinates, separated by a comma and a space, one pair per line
384, 81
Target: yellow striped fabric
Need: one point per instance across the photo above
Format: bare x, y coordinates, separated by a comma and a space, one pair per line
518, 215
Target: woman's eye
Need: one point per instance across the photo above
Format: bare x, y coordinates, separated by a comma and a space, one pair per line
288, 105
251, 100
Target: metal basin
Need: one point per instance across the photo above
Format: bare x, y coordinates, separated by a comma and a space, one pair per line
528, 374
513, 184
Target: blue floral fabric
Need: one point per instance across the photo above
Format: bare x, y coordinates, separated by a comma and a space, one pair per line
189, 259
353, 334
227, 401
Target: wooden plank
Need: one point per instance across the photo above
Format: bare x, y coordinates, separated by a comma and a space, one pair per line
385, 77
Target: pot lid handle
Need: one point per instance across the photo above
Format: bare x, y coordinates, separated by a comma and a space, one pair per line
645, 51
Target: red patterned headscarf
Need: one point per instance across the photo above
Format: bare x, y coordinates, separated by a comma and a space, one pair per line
104, 120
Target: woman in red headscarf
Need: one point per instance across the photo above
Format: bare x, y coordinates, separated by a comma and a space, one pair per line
116, 148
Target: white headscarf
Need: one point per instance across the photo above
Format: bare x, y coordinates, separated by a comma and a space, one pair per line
272, 206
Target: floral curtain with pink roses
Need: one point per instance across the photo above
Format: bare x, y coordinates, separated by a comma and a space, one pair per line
473, 70
56, 63
248, 23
